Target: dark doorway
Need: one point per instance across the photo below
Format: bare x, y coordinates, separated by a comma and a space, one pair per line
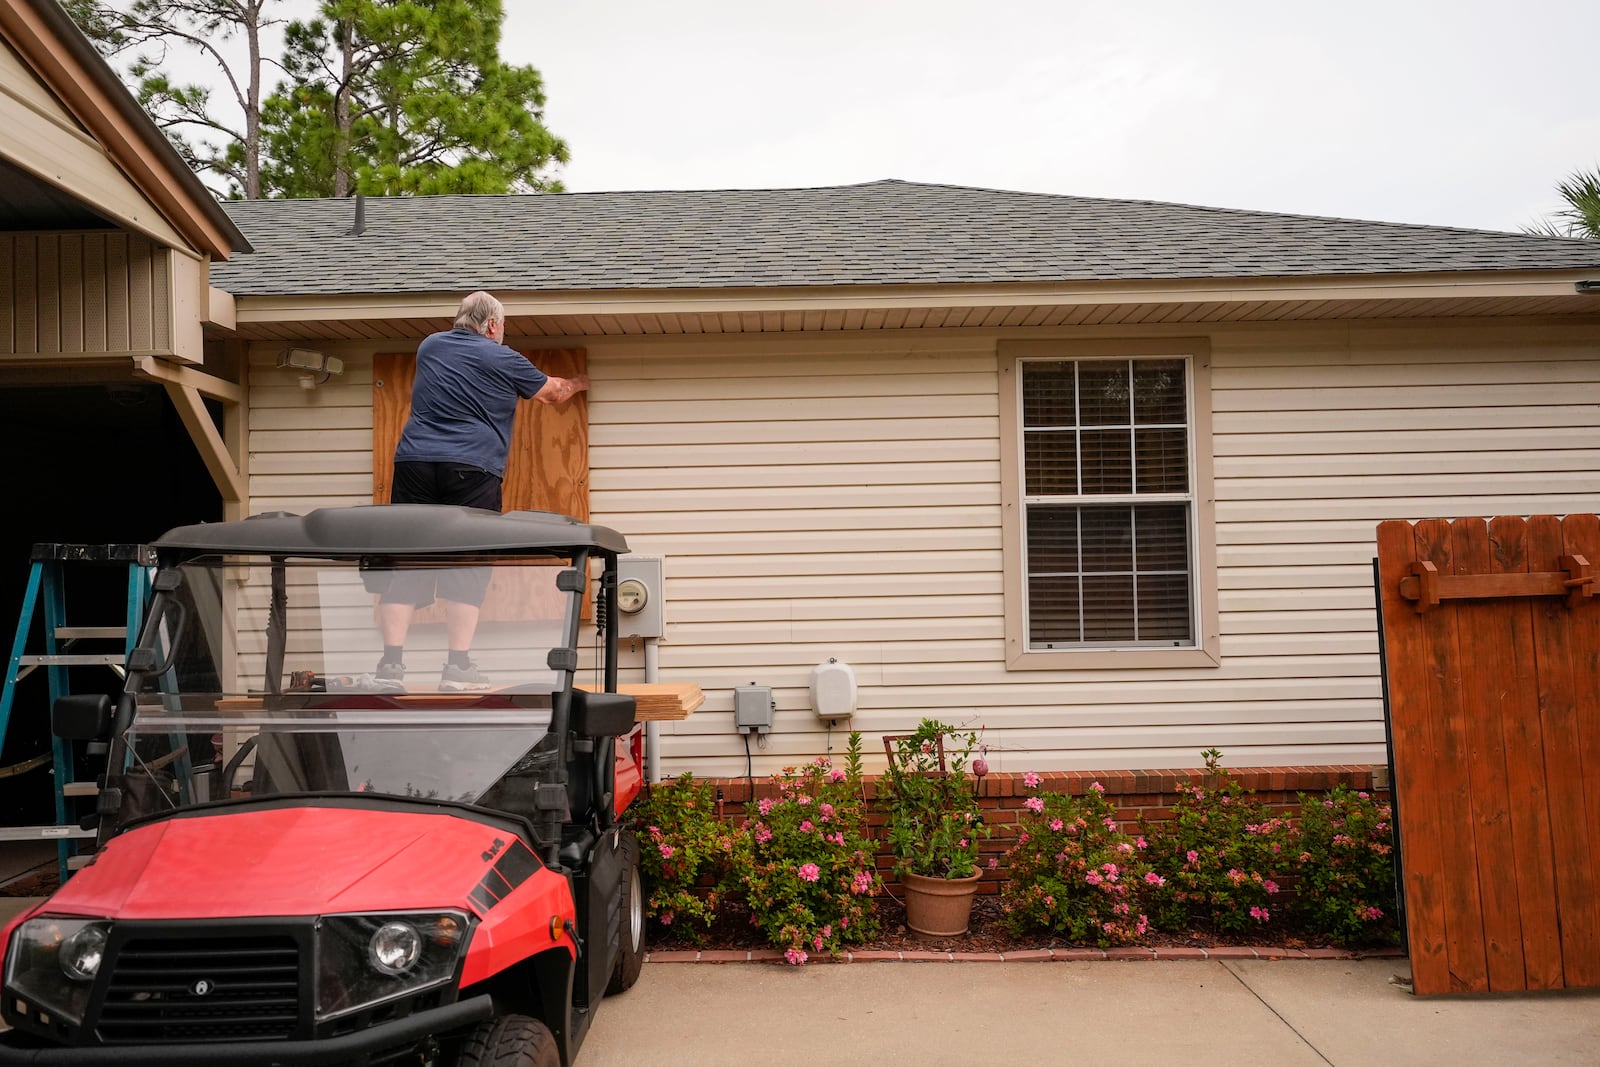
92, 464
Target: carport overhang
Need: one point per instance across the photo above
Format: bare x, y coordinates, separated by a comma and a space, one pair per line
109, 239
79, 81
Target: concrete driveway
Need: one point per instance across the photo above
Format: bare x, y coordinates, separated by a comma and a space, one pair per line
1230, 1013
1197, 1013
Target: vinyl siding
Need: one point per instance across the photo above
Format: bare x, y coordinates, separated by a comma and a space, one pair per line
93, 293
310, 448
820, 497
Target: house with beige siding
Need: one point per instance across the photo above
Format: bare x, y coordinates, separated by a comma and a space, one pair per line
1098, 477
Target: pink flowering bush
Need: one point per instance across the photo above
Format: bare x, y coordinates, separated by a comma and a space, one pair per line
806, 869
1075, 872
1218, 858
1345, 864
682, 845
931, 816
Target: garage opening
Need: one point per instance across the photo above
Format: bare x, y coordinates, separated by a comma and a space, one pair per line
91, 464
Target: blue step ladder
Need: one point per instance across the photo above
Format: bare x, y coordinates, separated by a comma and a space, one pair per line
64, 646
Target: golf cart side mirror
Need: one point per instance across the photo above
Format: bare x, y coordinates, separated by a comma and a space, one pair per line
602, 714
81, 717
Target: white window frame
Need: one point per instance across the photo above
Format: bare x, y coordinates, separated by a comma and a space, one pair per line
1205, 651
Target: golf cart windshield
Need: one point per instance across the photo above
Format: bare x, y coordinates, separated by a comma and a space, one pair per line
266, 679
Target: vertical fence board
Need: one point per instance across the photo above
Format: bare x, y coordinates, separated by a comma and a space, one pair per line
1581, 536
1558, 717
1484, 678
1463, 905
1416, 798
1523, 741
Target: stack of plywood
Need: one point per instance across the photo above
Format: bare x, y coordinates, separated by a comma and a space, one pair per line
662, 701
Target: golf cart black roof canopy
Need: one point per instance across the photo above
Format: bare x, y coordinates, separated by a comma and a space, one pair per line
392, 530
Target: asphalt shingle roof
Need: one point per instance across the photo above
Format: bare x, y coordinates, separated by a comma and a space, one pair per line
880, 233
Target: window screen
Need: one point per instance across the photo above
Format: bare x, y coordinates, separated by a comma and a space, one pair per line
1108, 503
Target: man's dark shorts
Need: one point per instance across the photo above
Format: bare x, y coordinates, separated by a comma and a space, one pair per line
442, 483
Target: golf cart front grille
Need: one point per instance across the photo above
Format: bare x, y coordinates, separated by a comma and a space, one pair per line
238, 988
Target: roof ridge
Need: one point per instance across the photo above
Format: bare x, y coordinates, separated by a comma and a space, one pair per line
573, 193
909, 185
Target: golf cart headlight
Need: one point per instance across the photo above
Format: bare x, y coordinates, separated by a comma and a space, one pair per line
50, 967
394, 948
367, 959
82, 952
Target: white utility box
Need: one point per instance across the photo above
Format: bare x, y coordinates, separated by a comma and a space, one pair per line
833, 690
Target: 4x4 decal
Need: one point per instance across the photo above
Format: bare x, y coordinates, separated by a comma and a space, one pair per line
515, 866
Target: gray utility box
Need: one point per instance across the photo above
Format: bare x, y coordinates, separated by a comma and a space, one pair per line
640, 600
752, 708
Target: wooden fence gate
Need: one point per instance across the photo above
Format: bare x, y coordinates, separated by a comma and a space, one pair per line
1491, 637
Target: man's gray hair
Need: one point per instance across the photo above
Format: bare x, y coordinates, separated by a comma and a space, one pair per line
478, 310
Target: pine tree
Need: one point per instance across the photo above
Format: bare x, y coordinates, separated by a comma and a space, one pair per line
219, 137
394, 97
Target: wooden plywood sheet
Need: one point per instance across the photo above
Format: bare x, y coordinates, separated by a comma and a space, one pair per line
662, 701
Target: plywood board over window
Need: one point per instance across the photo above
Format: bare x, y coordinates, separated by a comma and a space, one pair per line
548, 468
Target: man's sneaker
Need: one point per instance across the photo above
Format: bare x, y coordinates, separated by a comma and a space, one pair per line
391, 672
458, 679
364, 683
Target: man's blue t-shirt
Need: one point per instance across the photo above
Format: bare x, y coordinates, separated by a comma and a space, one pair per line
464, 400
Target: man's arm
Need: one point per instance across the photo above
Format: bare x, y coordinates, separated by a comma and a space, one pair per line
555, 390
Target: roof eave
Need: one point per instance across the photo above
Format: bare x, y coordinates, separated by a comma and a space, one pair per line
63, 58
1498, 285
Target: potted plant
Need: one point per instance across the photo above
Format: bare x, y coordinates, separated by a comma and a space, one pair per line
933, 825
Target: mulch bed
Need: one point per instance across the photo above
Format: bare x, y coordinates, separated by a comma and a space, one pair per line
986, 934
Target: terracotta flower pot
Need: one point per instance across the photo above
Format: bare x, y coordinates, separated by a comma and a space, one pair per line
939, 907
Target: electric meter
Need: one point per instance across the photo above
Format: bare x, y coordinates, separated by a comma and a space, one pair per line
632, 596
640, 601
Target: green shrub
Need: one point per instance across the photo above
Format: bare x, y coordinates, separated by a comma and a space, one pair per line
806, 868
683, 846
1218, 857
1345, 868
1074, 872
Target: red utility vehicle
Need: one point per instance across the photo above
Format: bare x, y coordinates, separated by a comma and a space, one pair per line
301, 863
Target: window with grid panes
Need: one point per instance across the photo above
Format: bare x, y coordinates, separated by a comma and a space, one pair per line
1108, 503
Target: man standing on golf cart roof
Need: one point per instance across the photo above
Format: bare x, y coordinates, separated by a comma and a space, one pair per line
453, 450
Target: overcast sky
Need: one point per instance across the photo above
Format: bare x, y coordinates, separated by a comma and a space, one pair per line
1461, 113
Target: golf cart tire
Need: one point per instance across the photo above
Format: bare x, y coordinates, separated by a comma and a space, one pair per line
509, 1041
631, 957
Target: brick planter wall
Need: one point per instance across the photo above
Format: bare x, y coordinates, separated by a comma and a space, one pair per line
1135, 794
